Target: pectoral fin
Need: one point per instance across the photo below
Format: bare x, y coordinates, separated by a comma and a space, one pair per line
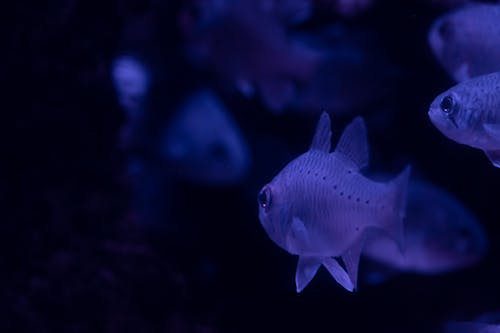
494, 157
297, 237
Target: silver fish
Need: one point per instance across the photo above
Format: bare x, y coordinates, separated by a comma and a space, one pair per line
204, 144
471, 327
467, 41
320, 206
441, 234
469, 113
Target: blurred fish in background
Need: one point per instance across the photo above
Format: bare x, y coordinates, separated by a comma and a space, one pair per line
347, 78
441, 235
485, 323
469, 113
203, 143
255, 59
466, 41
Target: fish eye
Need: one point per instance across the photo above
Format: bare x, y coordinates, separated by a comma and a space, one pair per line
219, 152
447, 104
264, 198
445, 29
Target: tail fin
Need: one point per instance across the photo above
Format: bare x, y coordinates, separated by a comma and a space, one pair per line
398, 198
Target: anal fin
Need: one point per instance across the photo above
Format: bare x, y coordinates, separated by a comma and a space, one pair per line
308, 266
338, 273
351, 260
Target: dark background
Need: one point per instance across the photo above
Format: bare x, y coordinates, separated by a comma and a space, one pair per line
73, 256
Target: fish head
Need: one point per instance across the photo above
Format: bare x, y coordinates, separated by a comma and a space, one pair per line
455, 246
275, 212
442, 232
445, 40
451, 114
204, 143
465, 40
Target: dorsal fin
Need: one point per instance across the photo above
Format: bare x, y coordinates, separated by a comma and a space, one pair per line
323, 135
354, 144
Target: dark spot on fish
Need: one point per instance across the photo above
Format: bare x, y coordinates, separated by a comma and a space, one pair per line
357, 228
357, 199
349, 171
367, 202
341, 193
334, 187
219, 151
349, 197
445, 30
308, 172
324, 178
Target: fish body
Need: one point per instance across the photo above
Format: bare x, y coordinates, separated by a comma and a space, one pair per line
440, 235
203, 143
469, 113
320, 206
471, 327
246, 45
466, 41
348, 75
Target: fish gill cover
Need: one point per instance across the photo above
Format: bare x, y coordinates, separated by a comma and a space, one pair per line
138, 135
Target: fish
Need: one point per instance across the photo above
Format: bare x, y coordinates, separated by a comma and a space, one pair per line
471, 327
203, 143
469, 113
131, 79
247, 48
348, 74
290, 12
321, 207
346, 8
466, 41
441, 235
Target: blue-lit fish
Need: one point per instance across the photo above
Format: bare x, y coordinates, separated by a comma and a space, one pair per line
204, 144
469, 113
346, 8
471, 327
348, 75
246, 45
467, 41
132, 81
320, 206
440, 235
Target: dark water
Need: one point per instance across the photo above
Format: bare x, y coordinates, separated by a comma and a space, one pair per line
74, 257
